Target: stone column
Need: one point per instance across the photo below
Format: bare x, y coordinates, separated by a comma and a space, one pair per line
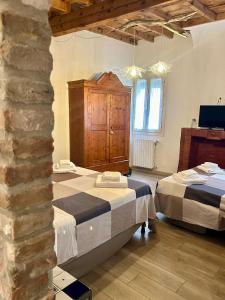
26, 145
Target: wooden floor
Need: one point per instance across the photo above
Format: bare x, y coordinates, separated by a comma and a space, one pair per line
173, 264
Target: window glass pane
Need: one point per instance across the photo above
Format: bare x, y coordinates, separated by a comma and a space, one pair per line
140, 103
155, 110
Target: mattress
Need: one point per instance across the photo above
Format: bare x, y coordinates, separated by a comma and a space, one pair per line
199, 204
87, 217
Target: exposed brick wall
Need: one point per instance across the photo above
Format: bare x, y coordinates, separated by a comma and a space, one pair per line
26, 145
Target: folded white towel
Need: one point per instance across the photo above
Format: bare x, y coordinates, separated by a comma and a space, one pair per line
188, 173
211, 170
123, 183
64, 166
210, 164
64, 162
111, 176
191, 180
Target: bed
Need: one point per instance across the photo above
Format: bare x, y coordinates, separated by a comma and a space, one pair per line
92, 223
202, 204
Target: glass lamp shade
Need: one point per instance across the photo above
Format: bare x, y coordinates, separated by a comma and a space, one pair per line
160, 68
133, 72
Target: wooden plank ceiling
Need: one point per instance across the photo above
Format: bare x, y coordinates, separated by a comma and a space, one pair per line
133, 20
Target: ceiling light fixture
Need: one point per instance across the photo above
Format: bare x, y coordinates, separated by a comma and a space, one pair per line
133, 72
160, 69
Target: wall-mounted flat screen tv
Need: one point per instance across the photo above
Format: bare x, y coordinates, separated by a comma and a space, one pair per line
212, 116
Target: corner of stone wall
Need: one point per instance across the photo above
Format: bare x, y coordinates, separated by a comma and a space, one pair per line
26, 146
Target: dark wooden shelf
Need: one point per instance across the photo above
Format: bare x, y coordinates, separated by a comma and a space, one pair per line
200, 145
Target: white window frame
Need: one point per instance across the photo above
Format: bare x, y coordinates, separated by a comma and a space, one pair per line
155, 132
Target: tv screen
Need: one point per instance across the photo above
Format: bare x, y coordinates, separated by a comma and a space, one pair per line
212, 116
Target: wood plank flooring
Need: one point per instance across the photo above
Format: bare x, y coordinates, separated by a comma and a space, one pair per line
173, 264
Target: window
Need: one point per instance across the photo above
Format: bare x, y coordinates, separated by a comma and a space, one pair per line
148, 105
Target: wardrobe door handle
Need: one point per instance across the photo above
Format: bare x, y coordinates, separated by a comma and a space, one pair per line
111, 132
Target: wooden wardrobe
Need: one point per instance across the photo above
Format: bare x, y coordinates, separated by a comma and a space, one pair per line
99, 112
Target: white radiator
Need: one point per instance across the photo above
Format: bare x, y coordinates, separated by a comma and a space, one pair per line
144, 152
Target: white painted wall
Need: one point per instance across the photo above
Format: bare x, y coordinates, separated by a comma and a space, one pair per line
197, 77
79, 56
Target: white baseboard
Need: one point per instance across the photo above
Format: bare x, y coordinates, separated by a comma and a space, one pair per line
152, 171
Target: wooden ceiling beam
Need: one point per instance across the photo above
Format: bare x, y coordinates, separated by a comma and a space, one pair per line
115, 35
156, 29
141, 35
82, 2
161, 31
97, 1
97, 13
201, 20
159, 14
62, 6
130, 31
203, 10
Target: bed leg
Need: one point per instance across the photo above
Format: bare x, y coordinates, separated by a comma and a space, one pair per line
152, 225
143, 228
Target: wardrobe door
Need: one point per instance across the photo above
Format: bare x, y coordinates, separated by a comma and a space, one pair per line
119, 123
98, 134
